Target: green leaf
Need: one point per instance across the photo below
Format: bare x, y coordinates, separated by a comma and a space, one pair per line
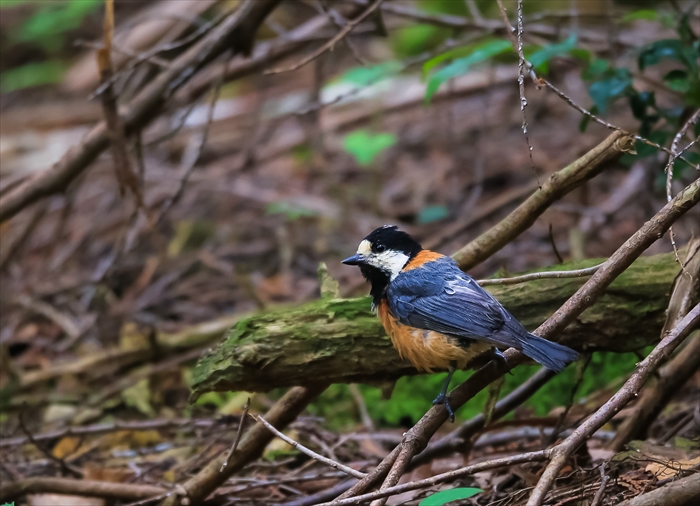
540, 59
446, 496
587, 119
677, 80
364, 76
644, 14
461, 66
432, 213
290, 210
639, 103
56, 18
32, 74
139, 397
595, 69
673, 49
365, 146
452, 54
602, 92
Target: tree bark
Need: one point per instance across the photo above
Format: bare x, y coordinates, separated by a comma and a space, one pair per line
336, 340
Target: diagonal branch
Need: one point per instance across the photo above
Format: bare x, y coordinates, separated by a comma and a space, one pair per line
645, 369
559, 184
332, 42
416, 439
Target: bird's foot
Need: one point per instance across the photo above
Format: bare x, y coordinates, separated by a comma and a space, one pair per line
498, 355
443, 399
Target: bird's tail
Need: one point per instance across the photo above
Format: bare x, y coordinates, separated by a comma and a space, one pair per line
552, 355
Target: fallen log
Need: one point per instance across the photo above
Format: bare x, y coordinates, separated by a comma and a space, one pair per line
335, 340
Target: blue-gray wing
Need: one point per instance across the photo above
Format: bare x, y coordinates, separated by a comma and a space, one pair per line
440, 297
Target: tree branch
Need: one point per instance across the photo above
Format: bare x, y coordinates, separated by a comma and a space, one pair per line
629, 390
91, 488
559, 184
237, 31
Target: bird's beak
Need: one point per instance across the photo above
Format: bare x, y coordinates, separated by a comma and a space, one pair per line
354, 260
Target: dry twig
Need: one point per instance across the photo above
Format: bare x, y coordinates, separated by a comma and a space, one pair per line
238, 29
336, 465
331, 43
561, 453
417, 437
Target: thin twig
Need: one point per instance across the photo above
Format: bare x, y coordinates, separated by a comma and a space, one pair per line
331, 43
103, 428
561, 453
193, 152
604, 479
336, 465
237, 439
578, 273
444, 477
521, 83
541, 81
66, 468
669, 169
418, 436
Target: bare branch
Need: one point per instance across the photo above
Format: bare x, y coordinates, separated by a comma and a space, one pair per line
239, 27
629, 391
442, 478
579, 273
331, 43
336, 465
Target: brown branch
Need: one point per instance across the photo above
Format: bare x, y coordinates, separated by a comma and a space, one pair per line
442, 478
541, 81
90, 488
236, 31
460, 436
577, 273
679, 370
103, 428
285, 410
331, 43
418, 436
66, 468
557, 185
126, 177
561, 453
683, 492
239, 433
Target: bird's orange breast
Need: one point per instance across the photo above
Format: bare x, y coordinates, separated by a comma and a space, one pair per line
427, 350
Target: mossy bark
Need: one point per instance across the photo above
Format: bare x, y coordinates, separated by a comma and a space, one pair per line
334, 340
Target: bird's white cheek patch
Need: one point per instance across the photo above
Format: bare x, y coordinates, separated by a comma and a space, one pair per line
365, 248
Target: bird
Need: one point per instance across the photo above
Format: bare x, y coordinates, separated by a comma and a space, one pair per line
437, 316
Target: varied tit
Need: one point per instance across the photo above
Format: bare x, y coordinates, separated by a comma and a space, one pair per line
437, 316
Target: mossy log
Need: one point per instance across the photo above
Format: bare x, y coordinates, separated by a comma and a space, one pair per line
335, 340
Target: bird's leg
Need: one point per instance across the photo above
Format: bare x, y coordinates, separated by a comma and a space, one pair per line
498, 355
442, 397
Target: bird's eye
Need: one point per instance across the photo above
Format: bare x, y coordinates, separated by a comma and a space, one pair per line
379, 248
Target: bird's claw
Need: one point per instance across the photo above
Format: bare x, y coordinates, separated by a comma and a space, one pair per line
444, 400
498, 355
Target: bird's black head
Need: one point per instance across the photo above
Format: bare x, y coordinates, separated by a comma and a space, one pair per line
382, 255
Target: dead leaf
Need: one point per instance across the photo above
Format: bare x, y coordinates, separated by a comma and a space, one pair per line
66, 447
670, 468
